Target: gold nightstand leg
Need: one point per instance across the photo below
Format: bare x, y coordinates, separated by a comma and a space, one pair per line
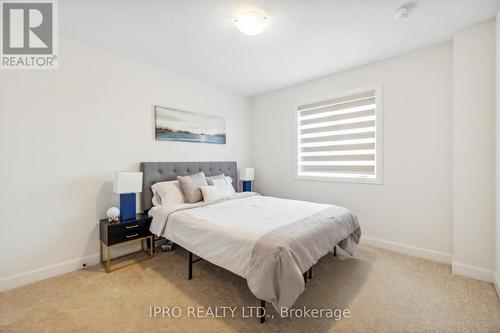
106, 263
108, 266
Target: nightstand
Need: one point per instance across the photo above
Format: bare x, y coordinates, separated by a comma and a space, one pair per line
125, 232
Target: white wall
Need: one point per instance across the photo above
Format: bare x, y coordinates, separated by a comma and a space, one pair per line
412, 210
497, 162
64, 132
474, 150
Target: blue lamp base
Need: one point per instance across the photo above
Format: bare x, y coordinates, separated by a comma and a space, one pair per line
127, 206
247, 186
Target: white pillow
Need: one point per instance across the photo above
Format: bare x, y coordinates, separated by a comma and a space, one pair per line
169, 192
210, 180
214, 193
156, 198
222, 183
222, 180
229, 181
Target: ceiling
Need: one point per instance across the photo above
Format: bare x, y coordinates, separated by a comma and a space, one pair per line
305, 38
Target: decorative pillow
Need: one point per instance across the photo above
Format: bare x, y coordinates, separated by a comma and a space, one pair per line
229, 181
213, 193
222, 180
167, 192
224, 183
156, 197
190, 186
211, 179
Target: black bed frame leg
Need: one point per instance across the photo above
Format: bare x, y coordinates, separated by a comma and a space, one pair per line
310, 273
305, 276
262, 311
190, 274
335, 251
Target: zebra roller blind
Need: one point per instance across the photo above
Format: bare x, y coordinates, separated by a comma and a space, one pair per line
337, 138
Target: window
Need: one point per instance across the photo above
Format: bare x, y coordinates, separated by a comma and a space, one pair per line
341, 139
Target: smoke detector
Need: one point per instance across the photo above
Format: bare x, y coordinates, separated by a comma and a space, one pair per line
403, 12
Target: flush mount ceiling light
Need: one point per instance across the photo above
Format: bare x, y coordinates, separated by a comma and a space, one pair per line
251, 22
403, 12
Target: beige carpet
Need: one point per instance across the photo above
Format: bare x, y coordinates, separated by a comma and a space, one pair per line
385, 292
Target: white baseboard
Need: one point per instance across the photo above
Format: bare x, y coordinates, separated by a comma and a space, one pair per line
470, 271
43, 273
441, 257
496, 282
474, 272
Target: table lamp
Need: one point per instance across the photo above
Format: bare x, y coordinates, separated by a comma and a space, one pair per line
127, 184
247, 175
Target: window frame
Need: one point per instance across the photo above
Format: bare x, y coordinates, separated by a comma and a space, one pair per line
378, 138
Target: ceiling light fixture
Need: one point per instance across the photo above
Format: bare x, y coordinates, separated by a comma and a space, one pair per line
251, 22
403, 12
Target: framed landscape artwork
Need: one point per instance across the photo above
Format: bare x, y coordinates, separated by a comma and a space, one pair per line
177, 125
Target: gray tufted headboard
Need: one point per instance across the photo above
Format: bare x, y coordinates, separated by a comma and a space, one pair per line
154, 172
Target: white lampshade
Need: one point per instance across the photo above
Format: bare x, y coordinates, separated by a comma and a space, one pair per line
246, 174
127, 182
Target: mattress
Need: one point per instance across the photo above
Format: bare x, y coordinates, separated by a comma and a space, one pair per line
225, 233
268, 241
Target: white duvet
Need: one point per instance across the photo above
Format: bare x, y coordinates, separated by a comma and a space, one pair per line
225, 233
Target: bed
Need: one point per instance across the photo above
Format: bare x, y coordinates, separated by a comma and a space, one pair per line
271, 242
